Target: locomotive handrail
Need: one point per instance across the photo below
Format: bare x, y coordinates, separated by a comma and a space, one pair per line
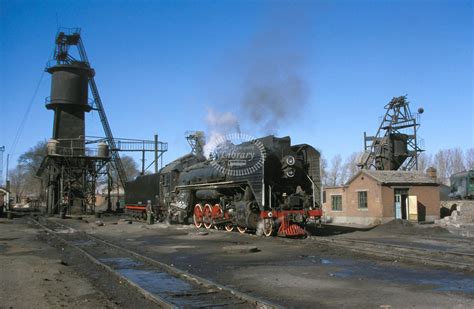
314, 189
211, 184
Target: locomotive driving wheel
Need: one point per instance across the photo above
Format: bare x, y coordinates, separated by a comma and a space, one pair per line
207, 216
241, 230
268, 227
217, 213
229, 227
197, 215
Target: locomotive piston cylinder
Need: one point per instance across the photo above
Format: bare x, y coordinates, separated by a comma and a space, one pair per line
207, 194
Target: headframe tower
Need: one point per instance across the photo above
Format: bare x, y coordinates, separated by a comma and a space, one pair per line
396, 144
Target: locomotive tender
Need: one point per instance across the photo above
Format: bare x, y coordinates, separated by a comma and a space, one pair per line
265, 185
462, 185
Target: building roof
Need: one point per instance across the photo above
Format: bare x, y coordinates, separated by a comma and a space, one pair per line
397, 177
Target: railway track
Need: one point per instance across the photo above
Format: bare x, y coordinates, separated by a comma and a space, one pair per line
446, 258
160, 283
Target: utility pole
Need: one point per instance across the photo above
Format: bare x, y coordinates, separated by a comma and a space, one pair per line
2, 149
156, 153
7, 181
109, 188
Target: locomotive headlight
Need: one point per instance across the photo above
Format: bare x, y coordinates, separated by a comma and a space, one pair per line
290, 172
290, 160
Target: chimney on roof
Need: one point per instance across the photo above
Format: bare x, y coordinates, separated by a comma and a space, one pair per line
431, 172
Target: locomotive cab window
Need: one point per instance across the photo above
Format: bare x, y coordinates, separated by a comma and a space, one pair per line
336, 202
167, 179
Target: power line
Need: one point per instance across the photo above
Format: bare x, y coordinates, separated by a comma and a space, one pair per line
27, 112
25, 116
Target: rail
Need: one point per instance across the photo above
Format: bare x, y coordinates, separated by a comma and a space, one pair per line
446, 258
200, 292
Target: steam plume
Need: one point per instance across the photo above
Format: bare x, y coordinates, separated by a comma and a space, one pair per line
218, 125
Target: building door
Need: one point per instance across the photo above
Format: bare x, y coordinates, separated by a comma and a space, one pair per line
398, 206
401, 196
413, 208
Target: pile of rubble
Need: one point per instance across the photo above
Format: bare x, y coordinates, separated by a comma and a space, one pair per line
461, 220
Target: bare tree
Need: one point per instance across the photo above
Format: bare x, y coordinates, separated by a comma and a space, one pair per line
324, 172
334, 175
17, 178
129, 165
456, 161
469, 159
442, 166
350, 168
448, 162
23, 178
425, 160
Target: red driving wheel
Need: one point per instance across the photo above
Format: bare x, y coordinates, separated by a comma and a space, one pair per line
241, 230
207, 216
217, 213
197, 215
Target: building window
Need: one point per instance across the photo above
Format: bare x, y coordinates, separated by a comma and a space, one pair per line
336, 202
324, 196
362, 199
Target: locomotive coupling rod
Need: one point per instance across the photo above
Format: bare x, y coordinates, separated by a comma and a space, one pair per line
222, 221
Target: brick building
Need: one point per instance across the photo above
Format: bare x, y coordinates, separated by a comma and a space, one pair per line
373, 197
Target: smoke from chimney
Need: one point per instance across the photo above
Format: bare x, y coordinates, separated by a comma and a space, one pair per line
218, 125
274, 85
274, 92
271, 82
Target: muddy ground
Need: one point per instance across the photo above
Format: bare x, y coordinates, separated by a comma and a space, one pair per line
291, 273
36, 272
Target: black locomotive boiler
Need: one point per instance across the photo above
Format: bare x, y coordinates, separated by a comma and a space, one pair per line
264, 184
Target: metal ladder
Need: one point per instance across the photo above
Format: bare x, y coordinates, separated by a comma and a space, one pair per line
103, 118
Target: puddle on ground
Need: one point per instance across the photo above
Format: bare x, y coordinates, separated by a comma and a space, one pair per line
441, 280
324, 261
65, 231
169, 288
83, 243
156, 282
119, 263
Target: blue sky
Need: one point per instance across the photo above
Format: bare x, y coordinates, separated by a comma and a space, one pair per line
162, 65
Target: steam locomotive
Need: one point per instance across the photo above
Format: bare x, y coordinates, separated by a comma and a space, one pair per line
265, 185
462, 185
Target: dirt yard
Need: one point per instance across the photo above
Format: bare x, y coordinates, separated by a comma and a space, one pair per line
33, 275
37, 272
37, 275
